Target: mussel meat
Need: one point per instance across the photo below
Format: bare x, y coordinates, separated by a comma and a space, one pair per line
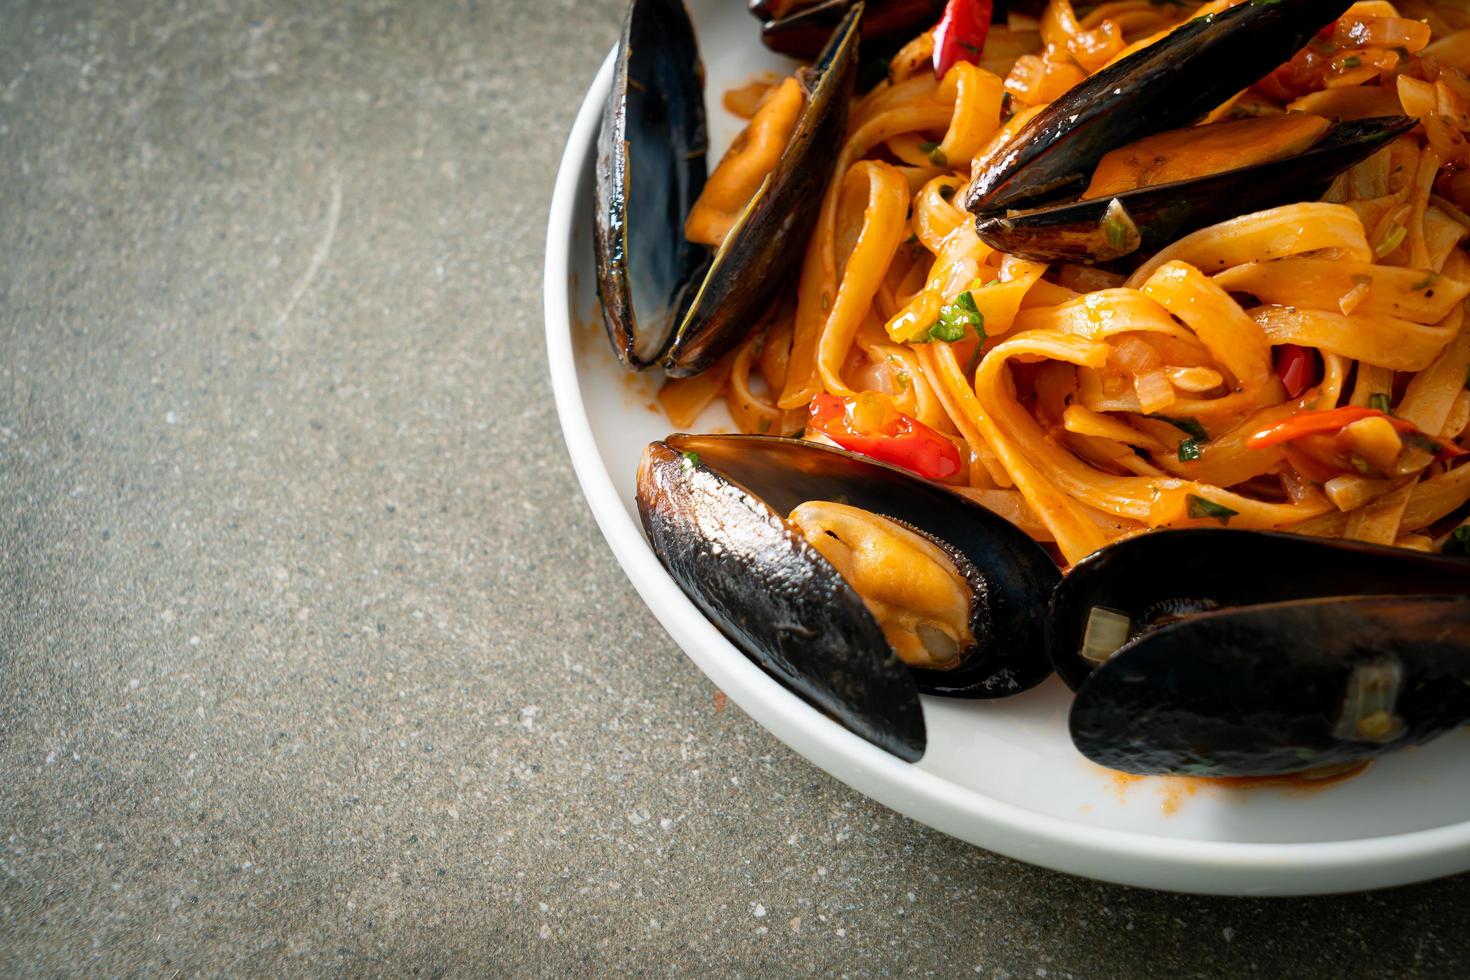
1244, 653
1025, 197
854, 583
1102, 229
667, 300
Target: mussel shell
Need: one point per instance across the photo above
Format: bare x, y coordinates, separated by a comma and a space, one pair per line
800, 29
1265, 690
666, 300
650, 170
1169, 84
1077, 232
1018, 575
769, 239
752, 578
1227, 569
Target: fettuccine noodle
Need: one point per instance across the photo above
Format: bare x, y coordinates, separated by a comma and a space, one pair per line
1096, 403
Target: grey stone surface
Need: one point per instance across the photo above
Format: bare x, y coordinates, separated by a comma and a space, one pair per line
311, 657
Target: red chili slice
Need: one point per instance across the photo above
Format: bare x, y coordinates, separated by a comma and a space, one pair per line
961, 32
867, 424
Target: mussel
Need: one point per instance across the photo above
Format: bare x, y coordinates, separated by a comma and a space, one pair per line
1247, 653
666, 300
854, 583
799, 28
1025, 197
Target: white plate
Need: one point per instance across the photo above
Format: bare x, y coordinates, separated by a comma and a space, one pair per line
1002, 775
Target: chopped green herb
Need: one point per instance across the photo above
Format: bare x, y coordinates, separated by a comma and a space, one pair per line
1360, 464
763, 426
913, 239
935, 154
1391, 241
1116, 232
1458, 543
691, 460
955, 318
1199, 507
1380, 402
1352, 61
1189, 425
1189, 450
1427, 282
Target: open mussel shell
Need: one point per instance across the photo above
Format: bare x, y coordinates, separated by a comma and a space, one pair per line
1277, 689
1163, 576
665, 300
752, 578
800, 28
1097, 231
714, 509
650, 170
1169, 84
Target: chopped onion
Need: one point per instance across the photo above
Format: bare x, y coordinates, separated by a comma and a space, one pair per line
1107, 630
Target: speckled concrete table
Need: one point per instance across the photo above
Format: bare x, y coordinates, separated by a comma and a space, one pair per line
311, 658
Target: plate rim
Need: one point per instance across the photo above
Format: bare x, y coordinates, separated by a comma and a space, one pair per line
1105, 854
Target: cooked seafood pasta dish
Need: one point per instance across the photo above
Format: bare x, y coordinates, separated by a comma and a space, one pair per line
1122, 340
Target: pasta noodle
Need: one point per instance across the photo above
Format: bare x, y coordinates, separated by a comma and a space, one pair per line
1091, 404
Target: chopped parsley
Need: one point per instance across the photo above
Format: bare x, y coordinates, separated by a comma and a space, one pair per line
1458, 543
956, 318
690, 460
1189, 450
1189, 425
763, 426
1199, 507
1116, 232
936, 155
1352, 61
1428, 282
1379, 402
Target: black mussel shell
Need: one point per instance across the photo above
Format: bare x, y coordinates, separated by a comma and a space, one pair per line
1166, 574
650, 170
1276, 689
1167, 85
751, 576
665, 300
1094, 231
800, 28
770, 238
1015, 576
